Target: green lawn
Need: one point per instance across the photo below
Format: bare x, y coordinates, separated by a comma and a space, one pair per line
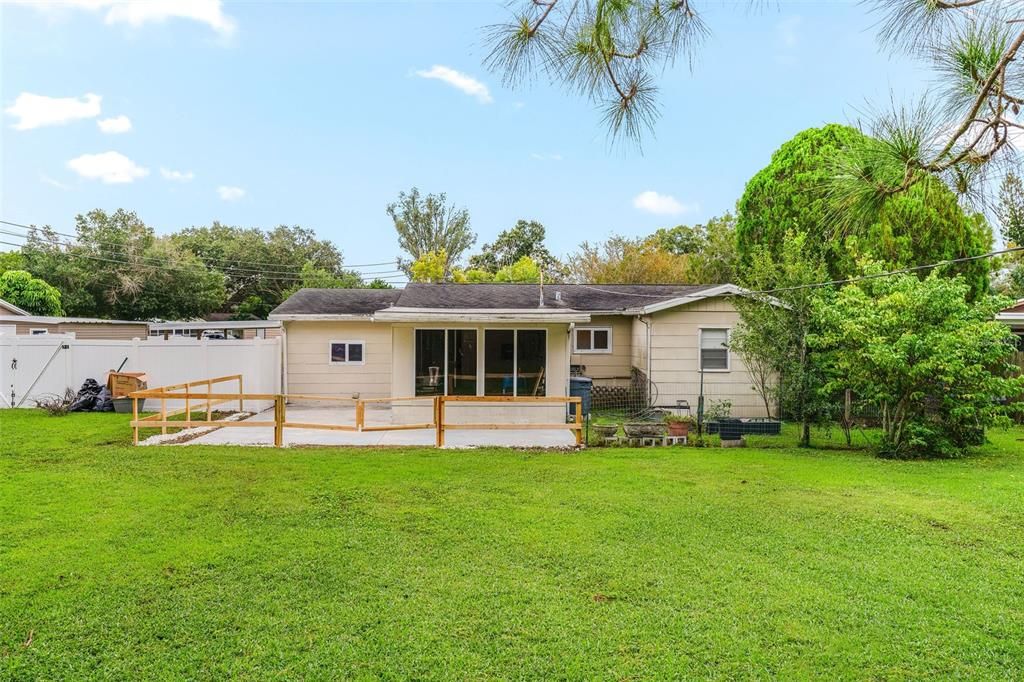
203, 562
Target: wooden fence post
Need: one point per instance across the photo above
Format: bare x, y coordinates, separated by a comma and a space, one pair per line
439, 419
135, 420
278, 420
360, 415
241, 400
579, 422
188, 407
209, 401
163, 413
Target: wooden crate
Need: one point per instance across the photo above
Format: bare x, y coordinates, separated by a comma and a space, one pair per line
121, 384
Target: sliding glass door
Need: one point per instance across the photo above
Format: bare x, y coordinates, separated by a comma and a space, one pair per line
445, 362
515, 362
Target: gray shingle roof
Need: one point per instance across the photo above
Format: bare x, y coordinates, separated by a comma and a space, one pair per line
586, 298
337, 301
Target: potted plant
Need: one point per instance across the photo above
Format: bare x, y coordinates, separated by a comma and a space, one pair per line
678, 424
605, 431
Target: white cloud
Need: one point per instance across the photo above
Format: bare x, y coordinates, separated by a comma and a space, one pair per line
37, 111
230, 193
135, 13
662, 204
114, 125
518, 105
546, 157
787, 30
177, 176
460, 81
110, 167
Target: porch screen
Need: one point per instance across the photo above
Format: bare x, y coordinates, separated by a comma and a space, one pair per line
445, 362
515, 362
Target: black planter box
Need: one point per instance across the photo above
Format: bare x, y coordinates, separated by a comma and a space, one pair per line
744, 427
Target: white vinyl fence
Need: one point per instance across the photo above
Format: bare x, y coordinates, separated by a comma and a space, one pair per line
32, 367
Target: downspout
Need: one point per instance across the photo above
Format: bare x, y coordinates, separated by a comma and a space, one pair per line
647, 326
284, 357
568, 359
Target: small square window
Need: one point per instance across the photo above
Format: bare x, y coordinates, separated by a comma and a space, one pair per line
593, 340
346, 353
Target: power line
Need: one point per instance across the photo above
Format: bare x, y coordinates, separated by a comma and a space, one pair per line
264, 267
227, 269
888, 273
835, 282
167, 266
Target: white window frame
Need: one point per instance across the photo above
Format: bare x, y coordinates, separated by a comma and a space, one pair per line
346, 361
515, 356
700, 349
38, 331
592, 351
444, 372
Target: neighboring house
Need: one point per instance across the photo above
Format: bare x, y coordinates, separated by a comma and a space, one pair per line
514, 340
217, 329
1014, 317
14, 320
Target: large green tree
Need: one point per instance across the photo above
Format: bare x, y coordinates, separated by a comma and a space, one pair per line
525, 239
429, 224
775, 331
932, 363
30, 293
709, 248
623, 260
923, 224
118, 268
262, 267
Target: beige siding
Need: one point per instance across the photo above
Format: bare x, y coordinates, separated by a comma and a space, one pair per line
614, 364
638, 352
123, 332
95, 331
675, 356
311, 372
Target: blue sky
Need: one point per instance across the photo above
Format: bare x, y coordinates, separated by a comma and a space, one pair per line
318, 114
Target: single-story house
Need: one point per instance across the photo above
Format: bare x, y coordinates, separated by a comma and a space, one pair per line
216, 329
14, 320
1014, 317
515, 340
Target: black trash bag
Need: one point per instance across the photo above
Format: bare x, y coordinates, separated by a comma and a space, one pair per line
104, 401
85, 399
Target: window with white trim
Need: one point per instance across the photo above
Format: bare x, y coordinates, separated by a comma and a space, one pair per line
592, 340
714, 350
346, 352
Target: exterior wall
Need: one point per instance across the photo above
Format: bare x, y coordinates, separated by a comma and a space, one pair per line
675, 358
308, 359
122, 332
96, 331
608, 365
638, 338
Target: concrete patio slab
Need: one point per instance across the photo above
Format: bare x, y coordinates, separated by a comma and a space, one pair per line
513, 438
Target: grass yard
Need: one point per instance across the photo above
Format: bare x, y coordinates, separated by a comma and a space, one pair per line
202, 562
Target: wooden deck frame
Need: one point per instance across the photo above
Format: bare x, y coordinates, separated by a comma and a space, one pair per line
205, 401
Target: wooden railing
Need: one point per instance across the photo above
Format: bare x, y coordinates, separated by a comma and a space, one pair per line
205, 401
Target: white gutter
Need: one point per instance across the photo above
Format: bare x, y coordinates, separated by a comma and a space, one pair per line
319, 317
443, 315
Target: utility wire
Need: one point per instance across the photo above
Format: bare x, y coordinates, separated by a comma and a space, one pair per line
227, 269
265, 267
169, 267
834, 282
